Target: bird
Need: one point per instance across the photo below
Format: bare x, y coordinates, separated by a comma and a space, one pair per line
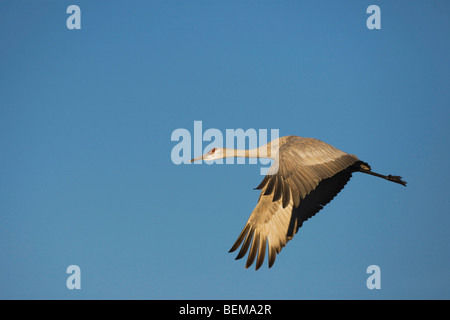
305, 175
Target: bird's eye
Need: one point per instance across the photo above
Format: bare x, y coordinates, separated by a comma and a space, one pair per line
212, 150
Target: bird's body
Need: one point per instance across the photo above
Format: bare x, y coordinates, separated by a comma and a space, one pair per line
306, 175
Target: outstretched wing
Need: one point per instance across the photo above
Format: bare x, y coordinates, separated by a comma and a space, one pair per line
306, 175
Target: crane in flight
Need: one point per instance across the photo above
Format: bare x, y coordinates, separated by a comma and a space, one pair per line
306, 174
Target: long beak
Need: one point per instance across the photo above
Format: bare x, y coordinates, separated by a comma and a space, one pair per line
198, 158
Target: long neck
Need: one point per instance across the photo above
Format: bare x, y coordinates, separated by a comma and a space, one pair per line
264, 151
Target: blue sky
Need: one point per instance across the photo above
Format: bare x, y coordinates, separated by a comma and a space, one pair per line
86, 118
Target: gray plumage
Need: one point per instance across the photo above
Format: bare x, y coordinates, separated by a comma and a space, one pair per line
306, 175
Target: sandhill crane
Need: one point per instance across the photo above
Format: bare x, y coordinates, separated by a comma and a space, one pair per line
306, 175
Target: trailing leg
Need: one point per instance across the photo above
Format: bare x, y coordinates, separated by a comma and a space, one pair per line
365, 168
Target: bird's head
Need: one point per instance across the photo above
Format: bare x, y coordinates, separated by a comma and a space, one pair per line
213, 154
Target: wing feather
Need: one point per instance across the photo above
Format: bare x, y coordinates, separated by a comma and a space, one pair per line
310, 174
253, 250
278, 188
